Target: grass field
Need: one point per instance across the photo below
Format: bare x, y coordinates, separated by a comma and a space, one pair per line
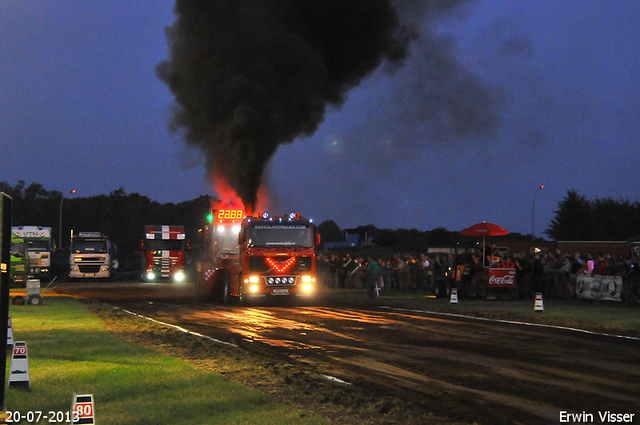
71, 351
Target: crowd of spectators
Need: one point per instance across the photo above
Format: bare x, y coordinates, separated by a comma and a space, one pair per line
544, 272
400, 272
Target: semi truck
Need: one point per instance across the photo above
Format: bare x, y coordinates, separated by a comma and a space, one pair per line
39, 247
19, 262
164, 253
258, 257
90, 257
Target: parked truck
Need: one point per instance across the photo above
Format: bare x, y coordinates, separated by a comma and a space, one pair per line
258, 257
164, 253
39, 247
90, 257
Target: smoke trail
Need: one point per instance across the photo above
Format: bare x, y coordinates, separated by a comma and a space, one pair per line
249, 75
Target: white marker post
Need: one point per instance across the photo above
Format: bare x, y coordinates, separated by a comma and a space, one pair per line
82, 409
9, 334
19, 375
538, 306
454, 296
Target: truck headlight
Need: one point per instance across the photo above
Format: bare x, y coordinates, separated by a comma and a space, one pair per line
253, 288
254, 279
307, 287
306, 278
179, 276
150, 276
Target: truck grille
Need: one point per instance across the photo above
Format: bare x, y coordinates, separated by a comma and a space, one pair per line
89, 268
165, 264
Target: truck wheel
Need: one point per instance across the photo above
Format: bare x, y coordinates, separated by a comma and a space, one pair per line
220, 287
18, 300
35, 300
226, 291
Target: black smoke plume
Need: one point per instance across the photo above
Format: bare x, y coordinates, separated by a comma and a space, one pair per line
249, 75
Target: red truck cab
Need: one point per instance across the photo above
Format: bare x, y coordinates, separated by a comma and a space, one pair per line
261, 257
164, 253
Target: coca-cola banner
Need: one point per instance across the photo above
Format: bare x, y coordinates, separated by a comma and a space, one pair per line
502, 278
606, 288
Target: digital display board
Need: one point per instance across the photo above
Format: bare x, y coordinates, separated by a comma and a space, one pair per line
228, 216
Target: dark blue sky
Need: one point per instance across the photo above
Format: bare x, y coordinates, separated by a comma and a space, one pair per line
81, 108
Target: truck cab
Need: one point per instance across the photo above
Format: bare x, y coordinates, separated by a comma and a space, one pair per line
90, 257
39, 246
164, 253
277, 256
258, 257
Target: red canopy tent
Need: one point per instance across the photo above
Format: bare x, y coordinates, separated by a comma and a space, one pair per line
484, 229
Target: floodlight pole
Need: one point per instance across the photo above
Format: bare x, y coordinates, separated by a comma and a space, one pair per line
5, 281
533, 214
60, 223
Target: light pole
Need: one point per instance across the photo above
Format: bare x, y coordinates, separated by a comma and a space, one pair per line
60, 224
533, 214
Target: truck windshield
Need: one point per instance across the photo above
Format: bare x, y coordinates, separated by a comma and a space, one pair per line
88, 246
164, 244
17, 249
286, 235
38, 245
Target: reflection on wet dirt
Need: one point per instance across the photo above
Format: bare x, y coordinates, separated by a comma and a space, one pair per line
519, 372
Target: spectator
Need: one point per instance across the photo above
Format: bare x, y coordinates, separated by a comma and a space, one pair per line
565, 268
402, 274
321, 269
412, 270
576, 264
424, 271
537, 274
373, 270
577, 258
333, 267
600, 266
394, 266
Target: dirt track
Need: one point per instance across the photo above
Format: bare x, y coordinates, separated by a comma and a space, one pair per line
468, 370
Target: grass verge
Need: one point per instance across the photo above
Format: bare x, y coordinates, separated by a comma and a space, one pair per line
72, 351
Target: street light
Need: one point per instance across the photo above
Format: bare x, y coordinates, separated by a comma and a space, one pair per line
533, 215
60, 228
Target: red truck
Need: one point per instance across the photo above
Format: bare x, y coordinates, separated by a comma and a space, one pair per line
258, 257
164, 253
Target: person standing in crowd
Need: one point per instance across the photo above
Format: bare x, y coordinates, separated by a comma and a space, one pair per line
600, 267
372, 276
321, 269
537, 274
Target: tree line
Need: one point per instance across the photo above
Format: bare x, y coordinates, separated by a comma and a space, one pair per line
576, 219
603, 219
122, 217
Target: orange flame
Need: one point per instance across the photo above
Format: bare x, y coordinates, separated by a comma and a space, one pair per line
228, 197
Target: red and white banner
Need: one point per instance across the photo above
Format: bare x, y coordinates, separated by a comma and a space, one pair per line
502, 278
